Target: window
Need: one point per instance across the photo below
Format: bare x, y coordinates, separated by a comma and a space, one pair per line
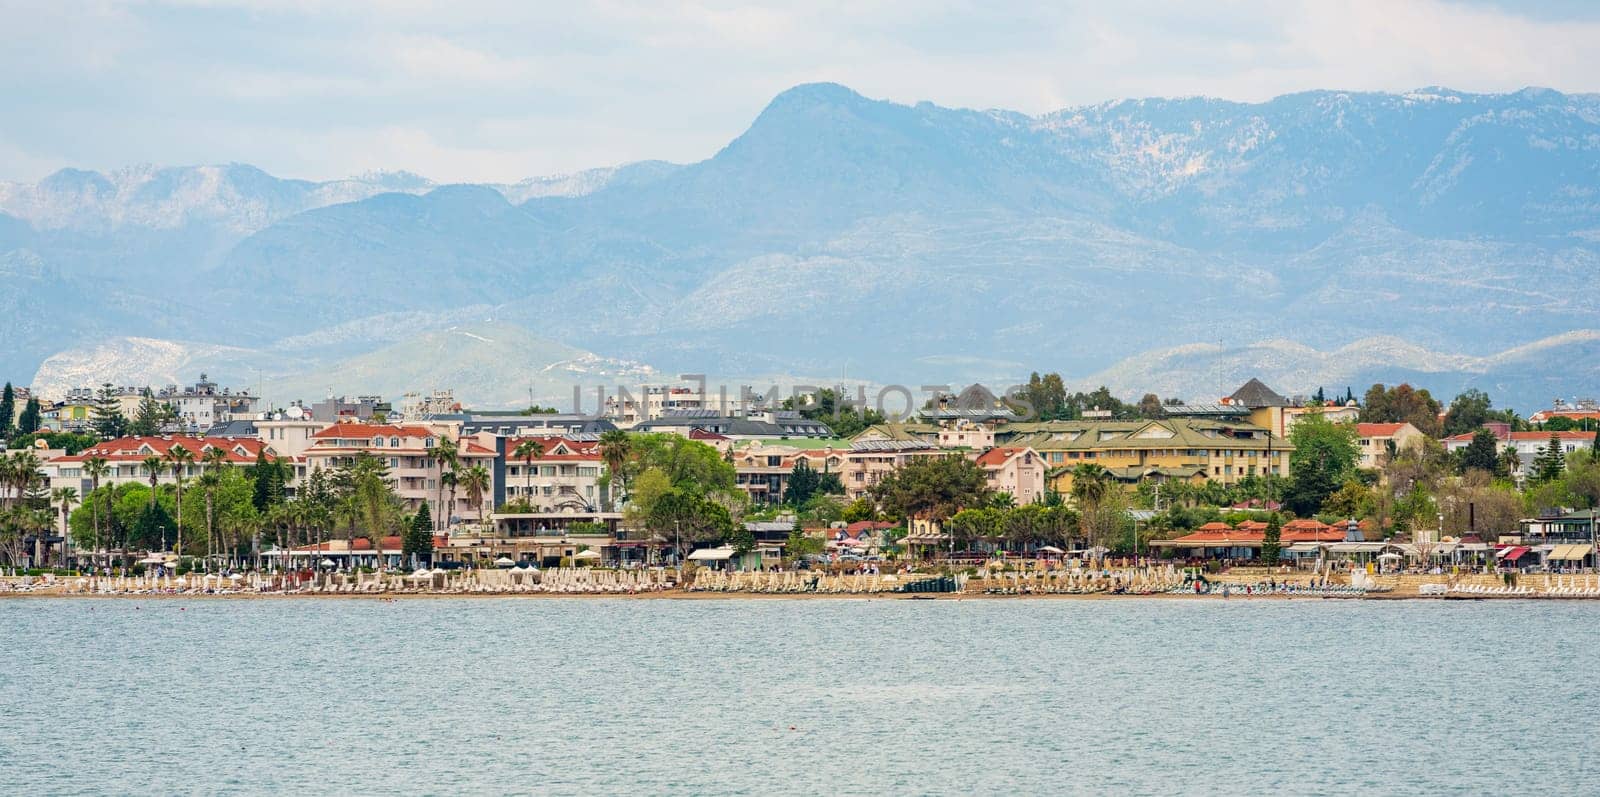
377, 442
394, 442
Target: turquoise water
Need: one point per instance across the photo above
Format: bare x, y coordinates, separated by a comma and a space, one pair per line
596, 696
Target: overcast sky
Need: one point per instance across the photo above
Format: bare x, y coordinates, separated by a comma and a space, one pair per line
477, 90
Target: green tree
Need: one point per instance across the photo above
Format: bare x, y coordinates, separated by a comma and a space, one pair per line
1483, 453
1468, 411
528, 451
150, 416
616, 451
932, 488
8, 411
802, 483
268, 478
1550, 462
107, 418
417, 542
857, 510
800, 545
1401, 404
475, 480
1270, 548
1324, 457
32, 415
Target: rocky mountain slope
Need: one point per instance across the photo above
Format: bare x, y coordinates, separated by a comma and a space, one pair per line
897, 243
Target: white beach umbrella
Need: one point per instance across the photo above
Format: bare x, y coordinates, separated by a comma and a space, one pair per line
503, 562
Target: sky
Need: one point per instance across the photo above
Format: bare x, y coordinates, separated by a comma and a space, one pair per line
487, 91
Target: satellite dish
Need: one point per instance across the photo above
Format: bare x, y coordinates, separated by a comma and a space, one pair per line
294, 413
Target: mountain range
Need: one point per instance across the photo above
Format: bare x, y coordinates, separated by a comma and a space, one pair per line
1161, 244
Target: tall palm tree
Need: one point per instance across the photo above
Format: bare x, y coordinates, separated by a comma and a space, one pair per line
448, 455
1090, 485
179, 459
213, 459
528, 451
475, 480
152, 468
616, 448
95, 468
209, 480
65, 497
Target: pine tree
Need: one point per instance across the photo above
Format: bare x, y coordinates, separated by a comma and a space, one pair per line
109, 421
267, 478
31, 417
802, 484
1270, 548
1551, 461
147, 421
417, 541
8, 410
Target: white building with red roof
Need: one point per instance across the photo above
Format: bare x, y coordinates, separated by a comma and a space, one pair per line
408, 451
1374, 440
565, 477
1017, 470
125, 457
1527, 444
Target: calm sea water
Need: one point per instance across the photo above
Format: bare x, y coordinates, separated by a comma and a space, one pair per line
593, 696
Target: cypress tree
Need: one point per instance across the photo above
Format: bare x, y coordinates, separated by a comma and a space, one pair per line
8, 410
31, 416
1270, 548
418, 538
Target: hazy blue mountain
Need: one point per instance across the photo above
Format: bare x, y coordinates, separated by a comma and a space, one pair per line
899, 243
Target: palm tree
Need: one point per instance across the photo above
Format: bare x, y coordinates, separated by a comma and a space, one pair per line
65, 497
475, 480
528, 451
616, 448
447, 454
152, 468
1090, 485
95, 468
179, 459
210, 480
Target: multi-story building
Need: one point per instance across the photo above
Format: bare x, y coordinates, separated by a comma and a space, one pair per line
203, 404
1187, 449
1016, 470
626, 409
762, 469
125, 457
408, 452
764, 425
1376, 440
1585, 409
1528, 445
568, 476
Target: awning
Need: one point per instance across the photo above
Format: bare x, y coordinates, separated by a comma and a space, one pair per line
1304, 547
711, 555
1570, 553
1357, 547
1512, 553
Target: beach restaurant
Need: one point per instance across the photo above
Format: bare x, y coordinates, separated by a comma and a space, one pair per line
1300, 538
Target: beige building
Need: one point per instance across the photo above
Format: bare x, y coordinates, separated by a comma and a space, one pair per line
408, 452
1375, 441
1017, 470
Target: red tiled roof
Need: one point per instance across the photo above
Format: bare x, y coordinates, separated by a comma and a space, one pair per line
1573, 434
133, 449
1220, 535
999, 455
1378, 429
340, 431
701, 434
1216, 525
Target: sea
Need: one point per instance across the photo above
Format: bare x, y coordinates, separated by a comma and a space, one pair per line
772, 696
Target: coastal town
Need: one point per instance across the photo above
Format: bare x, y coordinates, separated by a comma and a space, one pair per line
672, 489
